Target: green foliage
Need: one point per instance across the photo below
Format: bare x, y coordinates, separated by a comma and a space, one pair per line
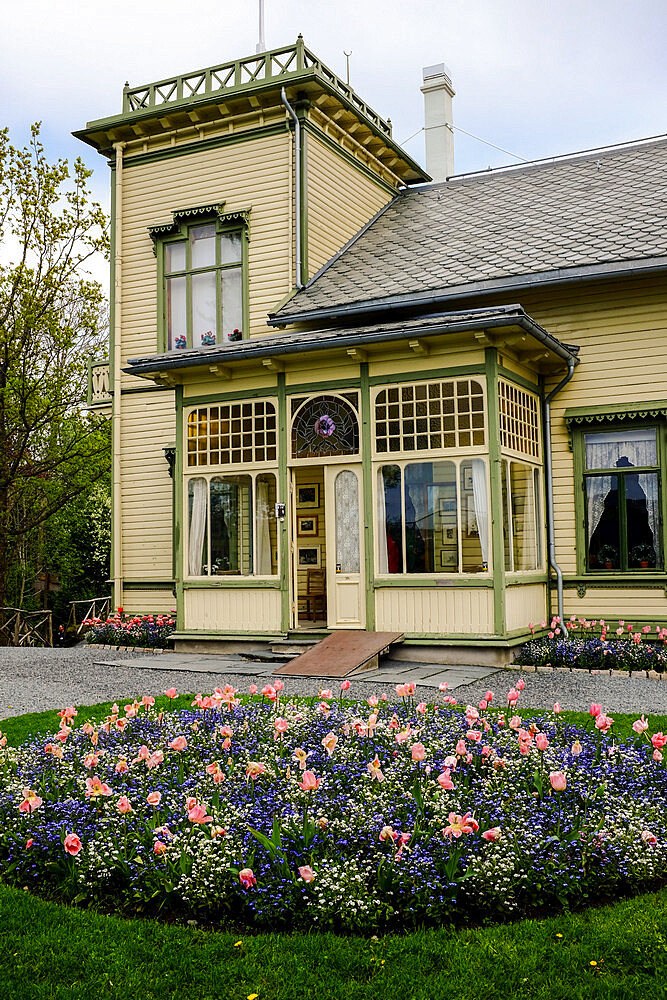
51, 320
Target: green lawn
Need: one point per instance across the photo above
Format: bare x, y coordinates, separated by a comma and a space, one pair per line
50, 952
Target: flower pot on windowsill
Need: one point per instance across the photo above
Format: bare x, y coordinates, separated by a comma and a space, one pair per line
644, 564
609, 565
235, 335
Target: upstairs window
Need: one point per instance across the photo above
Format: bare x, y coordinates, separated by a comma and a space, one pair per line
203, 265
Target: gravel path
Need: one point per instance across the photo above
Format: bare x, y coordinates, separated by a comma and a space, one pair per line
33, 680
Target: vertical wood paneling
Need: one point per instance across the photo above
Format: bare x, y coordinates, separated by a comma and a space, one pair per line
525, 604
252, 610
434, 610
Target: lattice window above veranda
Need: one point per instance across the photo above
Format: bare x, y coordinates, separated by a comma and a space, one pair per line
232, 433
519, 420
429, 416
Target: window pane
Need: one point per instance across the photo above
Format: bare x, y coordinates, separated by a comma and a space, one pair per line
232, 302
177, 327
602, 523
642, 519
231, 525
204, 322
346, 493
507, 518
197, 527
621, 449
474, 517
202, 246
431, 529
266, 526
174, 257
390, 520
537, 488
231, 248
524, 528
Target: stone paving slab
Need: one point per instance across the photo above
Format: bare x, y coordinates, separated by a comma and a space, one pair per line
199, 664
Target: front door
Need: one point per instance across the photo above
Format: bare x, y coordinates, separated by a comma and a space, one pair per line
346, 604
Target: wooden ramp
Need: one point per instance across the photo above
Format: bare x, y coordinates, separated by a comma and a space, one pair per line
340, 654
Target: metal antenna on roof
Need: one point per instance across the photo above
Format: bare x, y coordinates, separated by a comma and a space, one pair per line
261, 45
347, 60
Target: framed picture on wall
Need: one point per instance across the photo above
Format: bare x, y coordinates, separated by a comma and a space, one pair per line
308, 496
467, 480
306, 526
449, 559
308, 556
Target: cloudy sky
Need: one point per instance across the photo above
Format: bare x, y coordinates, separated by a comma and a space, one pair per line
535, 77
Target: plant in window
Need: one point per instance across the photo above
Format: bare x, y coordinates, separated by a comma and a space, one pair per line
180, 343
644, 555
608, 556
207, 339
235, 335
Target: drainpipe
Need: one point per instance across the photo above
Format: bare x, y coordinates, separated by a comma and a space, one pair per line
117, 364
550, 486
297, 184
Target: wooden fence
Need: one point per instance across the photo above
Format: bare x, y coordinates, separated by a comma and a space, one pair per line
25, 628
81, 611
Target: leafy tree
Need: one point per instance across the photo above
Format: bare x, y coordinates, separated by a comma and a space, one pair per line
51, 449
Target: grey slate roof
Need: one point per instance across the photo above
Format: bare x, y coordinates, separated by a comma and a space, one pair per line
502, 229
280, 344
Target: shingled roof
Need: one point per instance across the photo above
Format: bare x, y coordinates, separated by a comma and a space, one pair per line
599, 213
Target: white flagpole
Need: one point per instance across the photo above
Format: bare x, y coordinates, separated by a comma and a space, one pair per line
261, 45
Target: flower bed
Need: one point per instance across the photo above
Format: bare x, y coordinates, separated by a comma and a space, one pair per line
149, 631
285, 813
596, 645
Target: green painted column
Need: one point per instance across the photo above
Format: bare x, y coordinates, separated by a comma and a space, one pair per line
496, 490
369, 519
178, 526
283, 497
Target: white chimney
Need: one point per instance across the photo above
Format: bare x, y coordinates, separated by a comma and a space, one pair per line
438, 92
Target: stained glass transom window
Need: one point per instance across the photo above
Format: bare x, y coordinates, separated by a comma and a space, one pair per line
519, 420
232, 433
429, 415
325, 426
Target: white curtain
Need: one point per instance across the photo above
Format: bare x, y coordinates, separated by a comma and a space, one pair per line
649, 483
383, 555
481, 507
198, 490
528, 554
597, 490
263, 536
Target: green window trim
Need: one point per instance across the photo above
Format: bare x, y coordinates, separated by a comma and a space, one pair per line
179, 233
616, 422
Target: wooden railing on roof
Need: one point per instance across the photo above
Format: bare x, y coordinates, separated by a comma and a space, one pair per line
277, 64
25, 628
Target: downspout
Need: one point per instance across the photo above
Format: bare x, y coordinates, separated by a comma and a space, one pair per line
550, 487
297, 185
117, 364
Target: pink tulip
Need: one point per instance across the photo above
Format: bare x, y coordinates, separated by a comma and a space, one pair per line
657, 756
649, 838
253, 689
493, 834
445, 781
170, 692
488, 697
31, 801
459, 825
658, 741
197, 814
306, 873
154, 798
372, 701
374, 769
345, 686
159, 847
474, 735
541, 741
558, 781
557, 709
595, 710
72, 844
329, 743
309, 783
95, 787
418, 751
483, 705
512, 697
247, 878
460, 747
576, 748
279, 685
179, 743
401, 690
520, 684
281, 726
124, 805
29, 842
604, 722
254, 769
443, 686
514, 722
387, 833
268, 691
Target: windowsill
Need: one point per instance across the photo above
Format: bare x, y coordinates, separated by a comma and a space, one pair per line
430, 580
208, 582
637, 578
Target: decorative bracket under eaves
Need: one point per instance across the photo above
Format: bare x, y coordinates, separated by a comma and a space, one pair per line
183, 216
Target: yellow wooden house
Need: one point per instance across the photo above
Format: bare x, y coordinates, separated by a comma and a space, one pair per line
348, 393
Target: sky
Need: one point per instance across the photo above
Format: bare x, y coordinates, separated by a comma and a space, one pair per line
536, 78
